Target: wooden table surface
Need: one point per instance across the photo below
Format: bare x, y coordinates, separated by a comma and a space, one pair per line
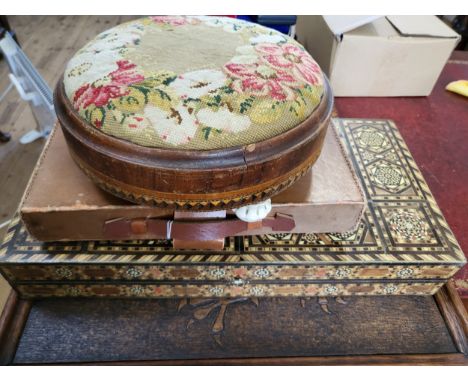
410, 330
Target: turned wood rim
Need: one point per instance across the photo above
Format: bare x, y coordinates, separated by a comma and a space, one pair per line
195, 201
202, 160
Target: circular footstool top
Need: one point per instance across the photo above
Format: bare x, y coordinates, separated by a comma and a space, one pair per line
181, 94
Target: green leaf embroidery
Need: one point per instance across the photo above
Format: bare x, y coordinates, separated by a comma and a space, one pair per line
208, 130
163, 94
103, 111
227, 89
246, 104
293, 110
216, 101
191, 100
295, 106
168, 80
143, 89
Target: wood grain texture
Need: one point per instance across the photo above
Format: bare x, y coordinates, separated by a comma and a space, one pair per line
459, 305
7, 313
5, 290
372, 360
452, 310
79, 330
194, 179
12, 322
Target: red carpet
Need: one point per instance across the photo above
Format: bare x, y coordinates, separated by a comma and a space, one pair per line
436, 130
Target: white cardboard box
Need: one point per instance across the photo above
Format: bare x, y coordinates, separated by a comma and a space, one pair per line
376, 55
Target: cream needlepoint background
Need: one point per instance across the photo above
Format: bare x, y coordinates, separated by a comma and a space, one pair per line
193, 82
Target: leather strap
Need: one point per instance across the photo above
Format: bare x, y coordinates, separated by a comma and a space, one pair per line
197, 230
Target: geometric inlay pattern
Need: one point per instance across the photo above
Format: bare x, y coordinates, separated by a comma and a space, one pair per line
408, 227
372, 139
402, 245
388, 176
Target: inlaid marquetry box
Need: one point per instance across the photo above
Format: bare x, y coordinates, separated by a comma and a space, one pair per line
402, 245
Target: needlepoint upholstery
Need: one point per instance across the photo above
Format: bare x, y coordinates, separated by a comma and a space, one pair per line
193, 82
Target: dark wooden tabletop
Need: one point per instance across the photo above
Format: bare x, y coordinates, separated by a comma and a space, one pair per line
301, 331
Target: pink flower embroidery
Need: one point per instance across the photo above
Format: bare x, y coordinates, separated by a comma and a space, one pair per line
135, 122
90, 94
262, 80
289, 56
99, 96
125, 74
171, 20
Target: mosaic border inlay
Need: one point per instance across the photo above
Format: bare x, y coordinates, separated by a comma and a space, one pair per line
401, 237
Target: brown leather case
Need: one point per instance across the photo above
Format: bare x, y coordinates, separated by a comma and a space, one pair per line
61, 203
195, 180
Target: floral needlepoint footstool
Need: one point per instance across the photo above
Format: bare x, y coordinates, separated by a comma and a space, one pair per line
195, 113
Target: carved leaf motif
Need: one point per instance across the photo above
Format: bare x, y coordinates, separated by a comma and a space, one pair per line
203, 312
340, 300
218, 325
182, 303
202, 307
323, 302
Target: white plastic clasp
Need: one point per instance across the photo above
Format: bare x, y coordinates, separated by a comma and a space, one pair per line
254, 212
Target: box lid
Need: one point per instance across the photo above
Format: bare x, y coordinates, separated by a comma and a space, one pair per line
421, 26
340, 24
406, 26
